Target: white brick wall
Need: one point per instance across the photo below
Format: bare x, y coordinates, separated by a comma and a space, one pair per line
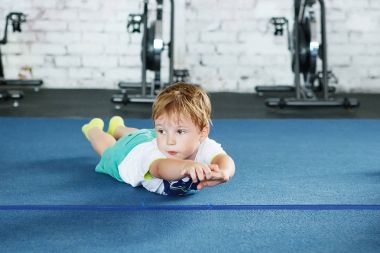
227, 45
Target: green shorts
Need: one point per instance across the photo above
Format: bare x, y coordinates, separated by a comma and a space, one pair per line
113, 156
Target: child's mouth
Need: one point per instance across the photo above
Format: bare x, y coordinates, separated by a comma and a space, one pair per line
172, 152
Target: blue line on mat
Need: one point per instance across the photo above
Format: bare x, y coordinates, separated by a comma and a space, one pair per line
144, 207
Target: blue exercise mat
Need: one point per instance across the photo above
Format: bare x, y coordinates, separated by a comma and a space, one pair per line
200, 231
278, 163
300, 186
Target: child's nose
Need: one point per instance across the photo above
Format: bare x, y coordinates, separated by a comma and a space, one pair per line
170, 140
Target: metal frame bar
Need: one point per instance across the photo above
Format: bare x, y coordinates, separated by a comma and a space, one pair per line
143, 96
171, 45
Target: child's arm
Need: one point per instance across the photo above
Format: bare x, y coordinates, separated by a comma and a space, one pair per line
222, 173
173, 169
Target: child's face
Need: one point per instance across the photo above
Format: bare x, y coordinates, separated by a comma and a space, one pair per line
178, 137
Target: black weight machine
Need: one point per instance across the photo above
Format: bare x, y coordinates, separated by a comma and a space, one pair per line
313, 89
152, 47
15, 19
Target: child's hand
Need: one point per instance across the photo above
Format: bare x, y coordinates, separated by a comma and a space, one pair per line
217, 177
200, 172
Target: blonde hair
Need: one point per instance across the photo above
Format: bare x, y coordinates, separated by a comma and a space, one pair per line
184, 99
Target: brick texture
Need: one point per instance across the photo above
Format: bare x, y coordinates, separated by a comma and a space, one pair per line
228, 45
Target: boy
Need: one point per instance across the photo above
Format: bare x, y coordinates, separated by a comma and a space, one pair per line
175, 158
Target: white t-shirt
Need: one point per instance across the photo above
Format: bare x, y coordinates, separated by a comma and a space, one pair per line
136, 164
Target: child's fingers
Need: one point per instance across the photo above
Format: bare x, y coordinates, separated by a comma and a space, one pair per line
220, 176
199, 171
208, 173
201, 185
214, 167
204, 172
216, 175
204, 184
193, 175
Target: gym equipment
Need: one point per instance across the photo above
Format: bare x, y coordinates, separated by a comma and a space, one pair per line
152, 47
305, 50
16, 19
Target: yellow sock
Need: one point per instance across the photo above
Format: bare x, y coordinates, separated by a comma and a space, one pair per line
115, 122
95, 122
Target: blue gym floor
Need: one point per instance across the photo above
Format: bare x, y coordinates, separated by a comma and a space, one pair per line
301, 185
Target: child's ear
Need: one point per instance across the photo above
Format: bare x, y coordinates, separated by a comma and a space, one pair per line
204, 132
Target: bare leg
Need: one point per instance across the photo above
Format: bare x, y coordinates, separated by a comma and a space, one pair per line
120, 131
100, 140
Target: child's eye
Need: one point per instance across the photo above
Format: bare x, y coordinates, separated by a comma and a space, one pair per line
160, 131
181, 131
